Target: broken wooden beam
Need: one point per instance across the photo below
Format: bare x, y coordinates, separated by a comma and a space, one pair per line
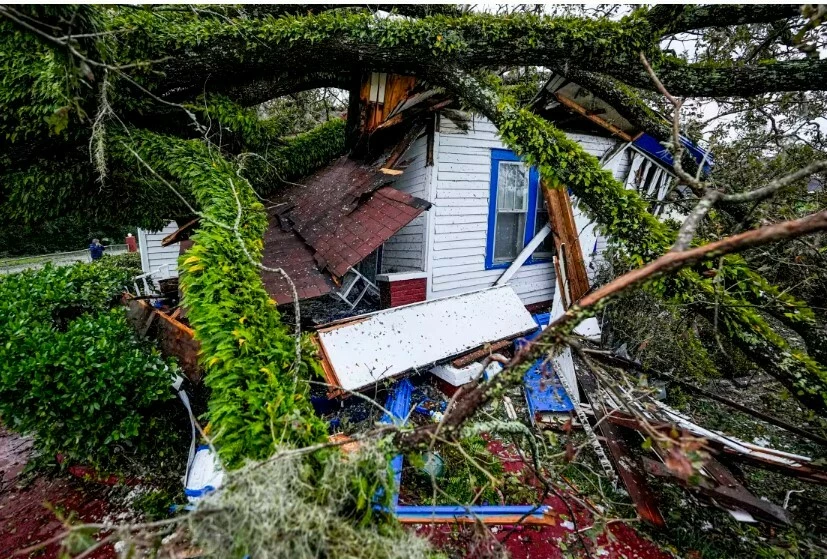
481, 353
734, 496
566, 241
576, 107
627, 363
769, 459
628, 465
174, 338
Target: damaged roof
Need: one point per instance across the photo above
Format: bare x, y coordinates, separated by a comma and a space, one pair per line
329, 223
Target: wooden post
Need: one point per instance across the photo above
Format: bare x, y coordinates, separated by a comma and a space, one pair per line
566, 241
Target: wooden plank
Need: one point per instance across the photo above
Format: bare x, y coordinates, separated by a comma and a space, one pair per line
800, 470
181, 234
567, 239
499, 520
527, 251
402, 147
329, 373
594, 118
629, 467
735, 497
480, 353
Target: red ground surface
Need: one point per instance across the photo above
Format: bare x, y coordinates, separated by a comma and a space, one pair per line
25, 519
543, 542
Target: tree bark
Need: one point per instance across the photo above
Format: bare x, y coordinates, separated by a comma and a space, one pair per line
671, 19
243, 52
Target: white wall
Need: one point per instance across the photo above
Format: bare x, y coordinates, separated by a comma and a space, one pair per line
405, 251
153, 255
592, 242
460, 214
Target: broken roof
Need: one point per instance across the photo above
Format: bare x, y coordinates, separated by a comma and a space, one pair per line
560, 92
331, 222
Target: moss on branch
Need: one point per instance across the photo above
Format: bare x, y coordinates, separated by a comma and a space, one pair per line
257, 400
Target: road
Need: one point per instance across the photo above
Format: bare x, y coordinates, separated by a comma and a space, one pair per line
13, 265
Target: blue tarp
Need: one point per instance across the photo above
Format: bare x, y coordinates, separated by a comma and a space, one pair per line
655, 149
544, 393
398, 403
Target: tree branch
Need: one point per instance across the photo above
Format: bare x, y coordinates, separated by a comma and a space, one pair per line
477, 394
672, 19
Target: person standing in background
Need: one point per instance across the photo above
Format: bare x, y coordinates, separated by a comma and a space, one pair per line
96, 250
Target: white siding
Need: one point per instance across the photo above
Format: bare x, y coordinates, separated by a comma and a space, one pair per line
404, 252
592, 242
153, 255
460, 213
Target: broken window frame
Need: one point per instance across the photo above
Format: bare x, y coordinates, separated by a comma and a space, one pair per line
533, 212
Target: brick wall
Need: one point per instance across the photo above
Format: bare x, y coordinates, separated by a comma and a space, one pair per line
401, 292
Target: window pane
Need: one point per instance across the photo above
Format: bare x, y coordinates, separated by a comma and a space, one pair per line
510, 236
546, 248
512, 187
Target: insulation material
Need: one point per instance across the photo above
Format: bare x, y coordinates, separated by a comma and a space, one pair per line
459, 376
205, 475
388, 343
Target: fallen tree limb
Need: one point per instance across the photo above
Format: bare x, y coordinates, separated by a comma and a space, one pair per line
477, 394
616, 361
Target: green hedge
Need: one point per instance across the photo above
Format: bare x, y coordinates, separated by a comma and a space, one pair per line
72, 372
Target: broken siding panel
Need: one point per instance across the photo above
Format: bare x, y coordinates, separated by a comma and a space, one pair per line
404, 251
620, 164
154, 256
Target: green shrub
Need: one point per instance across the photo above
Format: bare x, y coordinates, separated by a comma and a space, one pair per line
128, 261
72, 372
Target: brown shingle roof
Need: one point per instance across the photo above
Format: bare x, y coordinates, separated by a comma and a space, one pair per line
338, 217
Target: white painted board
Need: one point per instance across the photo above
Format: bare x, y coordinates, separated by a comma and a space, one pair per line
154, 256
390, 342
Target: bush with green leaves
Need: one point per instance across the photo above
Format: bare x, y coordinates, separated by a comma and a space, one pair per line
73, 374
129, 262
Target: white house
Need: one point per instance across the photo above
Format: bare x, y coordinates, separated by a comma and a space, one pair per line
431, 204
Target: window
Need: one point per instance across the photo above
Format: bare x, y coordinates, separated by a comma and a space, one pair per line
512, 207
517, 211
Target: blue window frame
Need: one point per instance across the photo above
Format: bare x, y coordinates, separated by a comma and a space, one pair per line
516, 211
